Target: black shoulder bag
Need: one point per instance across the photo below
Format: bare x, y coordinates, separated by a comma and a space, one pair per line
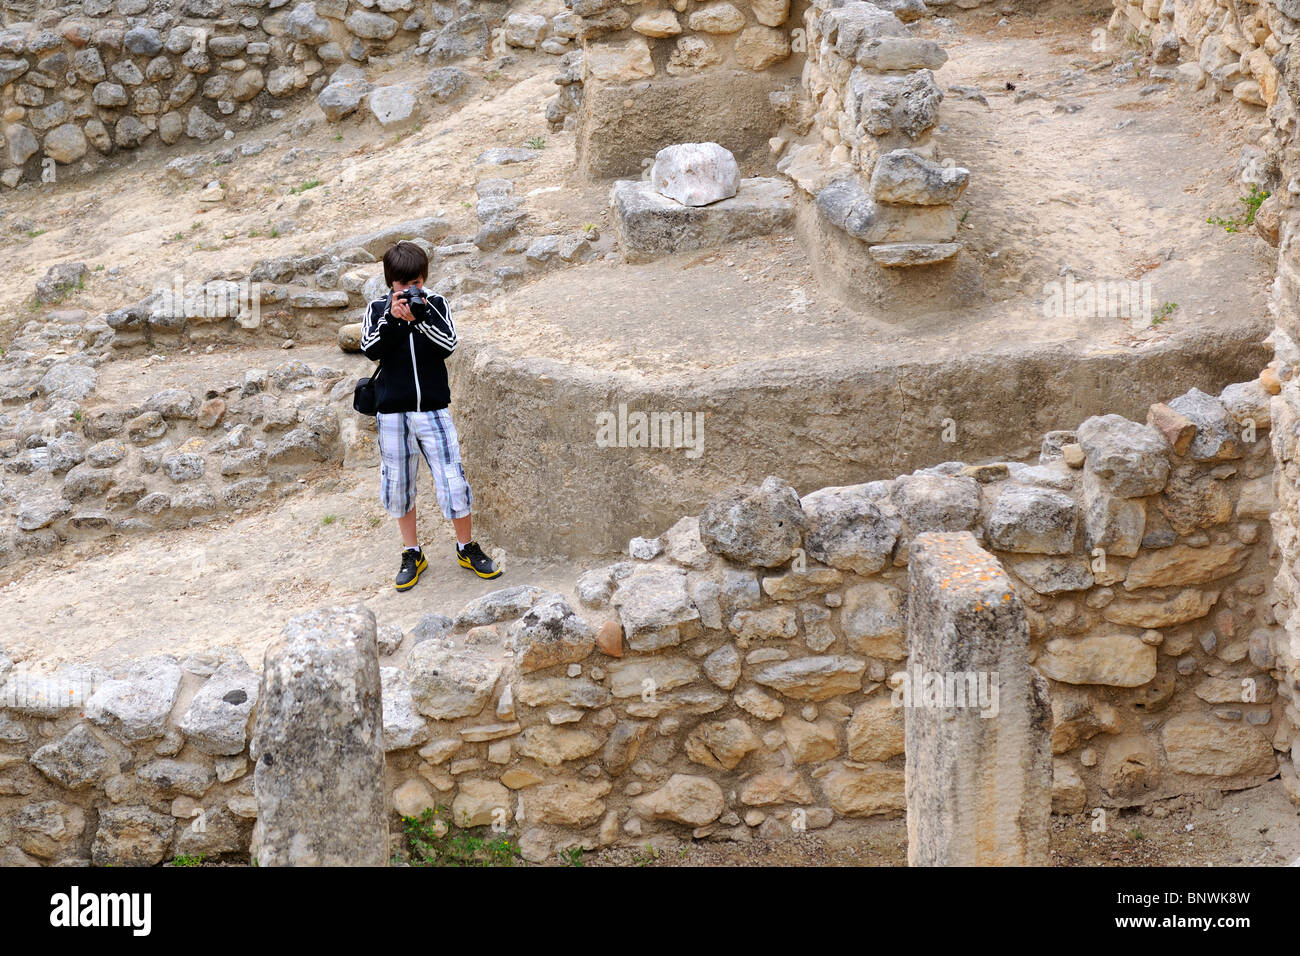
363, 397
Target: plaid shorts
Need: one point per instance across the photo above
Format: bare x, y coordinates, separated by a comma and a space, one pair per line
403, 438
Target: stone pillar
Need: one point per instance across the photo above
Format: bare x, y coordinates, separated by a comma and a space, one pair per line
977, 717
318, 743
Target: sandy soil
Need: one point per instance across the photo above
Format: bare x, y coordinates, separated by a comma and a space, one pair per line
235, 582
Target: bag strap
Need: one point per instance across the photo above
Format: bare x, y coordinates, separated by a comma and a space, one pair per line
379, 366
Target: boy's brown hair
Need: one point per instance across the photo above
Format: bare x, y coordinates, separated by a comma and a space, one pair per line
405, 262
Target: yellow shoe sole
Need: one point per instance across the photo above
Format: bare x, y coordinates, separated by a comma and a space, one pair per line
420, 567
465, 564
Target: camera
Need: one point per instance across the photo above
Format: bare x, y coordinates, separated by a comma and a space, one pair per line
418, 301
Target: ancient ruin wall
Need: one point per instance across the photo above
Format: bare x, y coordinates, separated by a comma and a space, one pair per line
89, 81
1248, 53
851, 130
652, 77
1165, 660
736, 675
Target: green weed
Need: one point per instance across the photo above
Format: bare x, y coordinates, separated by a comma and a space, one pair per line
1252, 203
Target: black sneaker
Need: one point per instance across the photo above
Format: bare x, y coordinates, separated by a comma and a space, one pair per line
471, 556
413, 565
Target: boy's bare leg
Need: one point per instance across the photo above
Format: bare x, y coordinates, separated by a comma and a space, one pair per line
464, 533
406, 524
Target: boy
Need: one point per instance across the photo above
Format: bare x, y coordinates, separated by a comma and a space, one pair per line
411, 339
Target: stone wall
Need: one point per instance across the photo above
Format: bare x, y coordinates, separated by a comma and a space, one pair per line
83, 83
1248, 54
733, 676
862, 118
682, 72
1237, 51
852, 130
77, 462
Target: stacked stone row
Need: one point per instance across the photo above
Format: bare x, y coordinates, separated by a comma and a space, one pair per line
861, 124
85, 82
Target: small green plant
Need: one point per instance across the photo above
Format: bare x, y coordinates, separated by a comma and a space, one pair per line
178, 237
572, 856
376, 521
963, 216
1136, 835
33, 233
185, 860
329, 520
99, 268
303, 187
432, 841
338, 137
77, 414
1163, 313
650, 856
275, 234
494, 75
537, 142
467, 204
1252, 203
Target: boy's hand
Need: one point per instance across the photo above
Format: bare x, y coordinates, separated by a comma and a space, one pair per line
402, 309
